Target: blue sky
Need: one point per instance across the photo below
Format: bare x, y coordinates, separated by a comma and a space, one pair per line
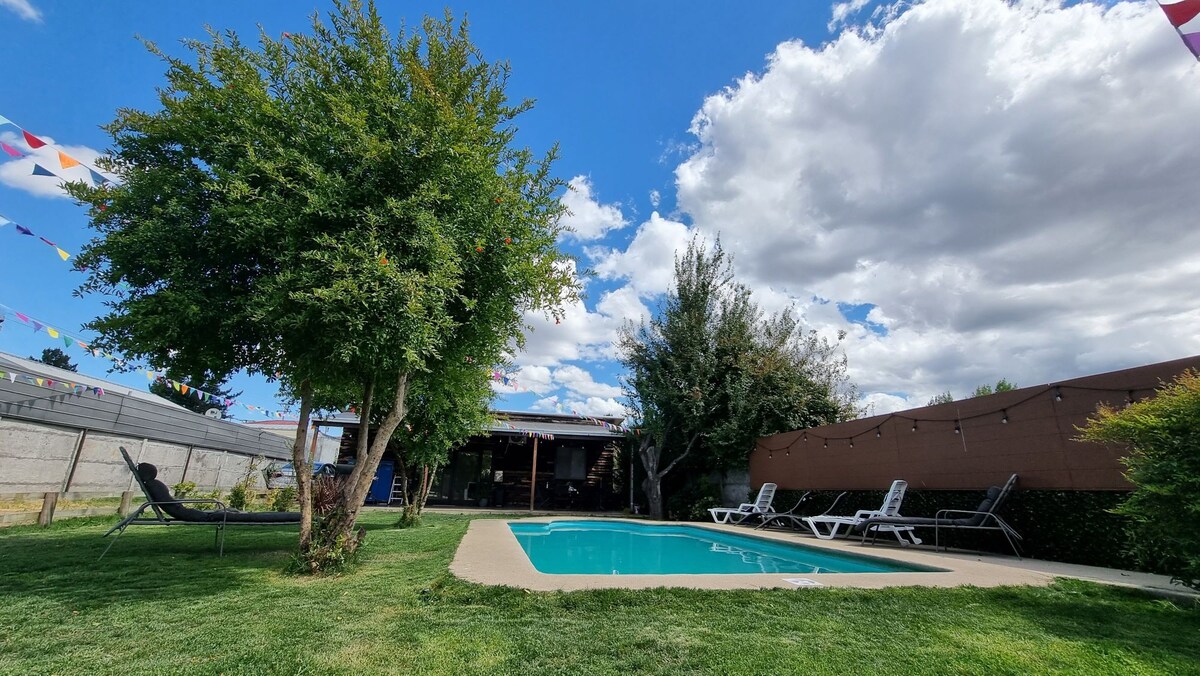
924, 176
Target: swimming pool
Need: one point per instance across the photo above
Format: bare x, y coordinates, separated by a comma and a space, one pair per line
627, 548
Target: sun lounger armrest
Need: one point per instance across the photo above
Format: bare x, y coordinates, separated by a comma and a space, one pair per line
212, 501
868, 514
746, 507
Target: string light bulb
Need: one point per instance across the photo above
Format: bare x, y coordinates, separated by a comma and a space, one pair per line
957, 427
1004, 420
914, 426
851, 443
1057, 394
878, 433
826, 443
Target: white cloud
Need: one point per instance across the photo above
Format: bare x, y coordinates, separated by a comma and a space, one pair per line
843, 11
18, 173
579, 383
23, 9
587, 217
649, 260
1006, 182
655, 198
595, 406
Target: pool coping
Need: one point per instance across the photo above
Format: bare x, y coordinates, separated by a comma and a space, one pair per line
490, 554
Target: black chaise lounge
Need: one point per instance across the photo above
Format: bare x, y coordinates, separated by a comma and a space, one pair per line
982, 518
168, 510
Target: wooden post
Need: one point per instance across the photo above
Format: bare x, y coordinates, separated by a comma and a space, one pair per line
79, 439
49, 501
533, 476
312, 449
126, 503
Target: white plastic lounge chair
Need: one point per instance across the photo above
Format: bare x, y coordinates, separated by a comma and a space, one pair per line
890, 508
746, 510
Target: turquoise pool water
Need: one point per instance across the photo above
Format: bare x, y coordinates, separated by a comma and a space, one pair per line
624, 548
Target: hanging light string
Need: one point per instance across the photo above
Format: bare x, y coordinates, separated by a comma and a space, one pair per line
1056, 389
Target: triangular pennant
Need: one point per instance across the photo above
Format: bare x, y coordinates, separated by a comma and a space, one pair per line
13, 152
37, 326
12, 377
39, 381
62, 254
184, 388
39, 170
66, 160
81, 344
67, 341
5, 120
33, 141
24, 319
4, 221
52, 331
96, 177
49, 383
99, 391
46, 241
24, 230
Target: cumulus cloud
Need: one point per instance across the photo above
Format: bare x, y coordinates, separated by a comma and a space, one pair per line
655, 198
23, 9
580, 383
18, 173
648, 263
1007, 182
586, 216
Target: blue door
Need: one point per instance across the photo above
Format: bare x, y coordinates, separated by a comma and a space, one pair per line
381, 486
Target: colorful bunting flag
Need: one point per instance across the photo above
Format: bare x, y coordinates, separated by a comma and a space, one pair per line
96, 177
24, 230
66, 160
13, 152
62, 254
5, 120
39, 170
1184, 15
33, 141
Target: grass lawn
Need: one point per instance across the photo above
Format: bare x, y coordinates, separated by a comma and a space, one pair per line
163, 602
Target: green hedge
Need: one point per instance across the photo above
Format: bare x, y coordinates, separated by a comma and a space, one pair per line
1068, 526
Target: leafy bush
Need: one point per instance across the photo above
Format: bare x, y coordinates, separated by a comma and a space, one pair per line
409, 518
241, 496
183, 488
1163, 435
693, 500
282, 499
328, 558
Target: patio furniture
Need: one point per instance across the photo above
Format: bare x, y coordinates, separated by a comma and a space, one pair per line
746, 510
982, 518
167, 510
890, 507
791, 518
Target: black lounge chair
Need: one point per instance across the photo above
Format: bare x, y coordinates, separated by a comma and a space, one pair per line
982, 518
169, 510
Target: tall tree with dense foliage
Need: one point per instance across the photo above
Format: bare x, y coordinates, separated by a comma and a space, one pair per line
340, 210
1163, 435
55, 357
710, 374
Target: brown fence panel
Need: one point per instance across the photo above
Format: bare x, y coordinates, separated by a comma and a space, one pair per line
922, 446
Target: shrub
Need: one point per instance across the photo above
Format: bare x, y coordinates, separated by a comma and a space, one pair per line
1163, 435
282, 499
183, 488
241, 496
693, 500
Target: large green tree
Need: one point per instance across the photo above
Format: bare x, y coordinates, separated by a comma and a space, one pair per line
710, 374
340, 210
53, 356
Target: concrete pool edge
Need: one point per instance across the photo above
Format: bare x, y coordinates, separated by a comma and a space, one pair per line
490, 554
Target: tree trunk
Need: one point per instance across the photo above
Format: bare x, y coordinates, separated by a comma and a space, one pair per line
649, 454
337, 530
302, 465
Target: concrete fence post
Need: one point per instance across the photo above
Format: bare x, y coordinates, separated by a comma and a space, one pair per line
126, 503
49, 501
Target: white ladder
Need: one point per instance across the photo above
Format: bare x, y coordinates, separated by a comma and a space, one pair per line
397, 489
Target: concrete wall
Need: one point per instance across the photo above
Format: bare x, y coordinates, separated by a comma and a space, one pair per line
1037, 441
36, 458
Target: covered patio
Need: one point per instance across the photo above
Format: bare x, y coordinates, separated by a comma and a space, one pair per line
534, 461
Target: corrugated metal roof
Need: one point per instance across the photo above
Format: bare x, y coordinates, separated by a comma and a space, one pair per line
124, 411
558, 425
